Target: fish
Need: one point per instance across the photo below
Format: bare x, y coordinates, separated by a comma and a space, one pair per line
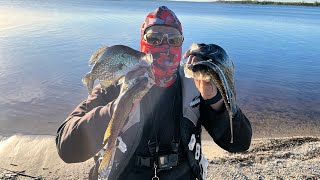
135, 85
217, 67
110, 64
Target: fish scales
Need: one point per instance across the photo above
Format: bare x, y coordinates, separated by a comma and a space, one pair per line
131, 69
111, 64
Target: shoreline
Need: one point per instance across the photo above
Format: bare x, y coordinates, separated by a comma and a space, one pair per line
291, 157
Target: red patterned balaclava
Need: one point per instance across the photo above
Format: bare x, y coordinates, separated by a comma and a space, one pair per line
166, 58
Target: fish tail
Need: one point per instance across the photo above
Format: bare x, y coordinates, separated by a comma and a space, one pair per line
231, 128
88, 82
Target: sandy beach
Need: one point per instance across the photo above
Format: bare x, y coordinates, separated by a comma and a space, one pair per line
35, 157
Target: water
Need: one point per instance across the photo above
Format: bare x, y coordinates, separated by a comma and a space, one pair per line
45, 47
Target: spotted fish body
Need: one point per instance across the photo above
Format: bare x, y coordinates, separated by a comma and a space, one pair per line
112, 63
219, 68
136, 84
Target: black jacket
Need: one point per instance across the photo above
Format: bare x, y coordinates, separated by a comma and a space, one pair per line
79, 137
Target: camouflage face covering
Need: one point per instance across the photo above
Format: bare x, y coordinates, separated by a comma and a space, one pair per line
166, 58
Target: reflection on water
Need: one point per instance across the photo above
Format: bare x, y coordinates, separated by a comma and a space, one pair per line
45, 46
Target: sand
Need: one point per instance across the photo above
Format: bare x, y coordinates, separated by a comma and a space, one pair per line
37, 156
276, 158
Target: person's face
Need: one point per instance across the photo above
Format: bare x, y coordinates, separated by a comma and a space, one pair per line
163, 36
164, 43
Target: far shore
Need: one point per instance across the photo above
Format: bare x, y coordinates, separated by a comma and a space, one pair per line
259, 2
316, 3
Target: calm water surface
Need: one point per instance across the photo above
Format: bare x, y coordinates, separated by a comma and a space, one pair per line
45, 47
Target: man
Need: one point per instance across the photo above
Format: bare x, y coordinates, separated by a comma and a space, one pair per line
162, 138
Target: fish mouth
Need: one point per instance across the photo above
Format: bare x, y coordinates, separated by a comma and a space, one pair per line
138, 73
144, 66
145, 63
137, 81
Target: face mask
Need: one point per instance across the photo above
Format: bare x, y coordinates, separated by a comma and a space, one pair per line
166, 61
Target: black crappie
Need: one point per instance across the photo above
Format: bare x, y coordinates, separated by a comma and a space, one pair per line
219, 68
112, 63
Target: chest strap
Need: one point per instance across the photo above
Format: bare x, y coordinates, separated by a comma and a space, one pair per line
163, 162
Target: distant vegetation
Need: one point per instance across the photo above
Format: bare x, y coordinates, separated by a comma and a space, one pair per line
316, 3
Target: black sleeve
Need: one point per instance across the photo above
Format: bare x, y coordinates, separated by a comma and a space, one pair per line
218, 126
80, 136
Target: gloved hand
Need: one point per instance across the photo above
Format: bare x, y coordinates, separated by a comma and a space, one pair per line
207, 89
218, 60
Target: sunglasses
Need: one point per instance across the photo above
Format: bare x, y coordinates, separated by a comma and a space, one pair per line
156, 38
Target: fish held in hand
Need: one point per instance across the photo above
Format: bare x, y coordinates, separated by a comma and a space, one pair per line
217, 67
134, 87
111, 64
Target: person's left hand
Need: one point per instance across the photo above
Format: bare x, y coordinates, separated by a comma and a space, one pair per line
207, 89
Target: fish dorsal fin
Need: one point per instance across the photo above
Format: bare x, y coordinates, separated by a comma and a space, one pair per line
95, 56
107, 134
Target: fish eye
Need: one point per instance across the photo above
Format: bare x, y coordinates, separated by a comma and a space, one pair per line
120, 66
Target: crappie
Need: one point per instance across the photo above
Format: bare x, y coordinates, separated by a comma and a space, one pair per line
219, 68
112, 63
135, 85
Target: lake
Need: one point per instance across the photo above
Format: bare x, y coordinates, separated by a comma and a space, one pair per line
45, 48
